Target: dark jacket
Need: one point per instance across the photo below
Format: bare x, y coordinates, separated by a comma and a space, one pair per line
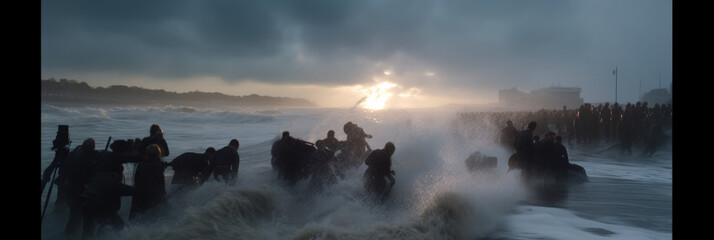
158, 140
562, 163
150, 186
226, 162
379, 166
189, 167
332, 143
77, 170
379, 163
112, 162
104, 193
508, 135
524, 147
319, 165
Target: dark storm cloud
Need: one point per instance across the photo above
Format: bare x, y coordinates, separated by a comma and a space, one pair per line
494, 44
171, 38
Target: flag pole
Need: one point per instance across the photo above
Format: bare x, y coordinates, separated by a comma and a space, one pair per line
615, 72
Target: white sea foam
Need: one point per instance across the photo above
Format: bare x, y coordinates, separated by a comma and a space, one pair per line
533, 222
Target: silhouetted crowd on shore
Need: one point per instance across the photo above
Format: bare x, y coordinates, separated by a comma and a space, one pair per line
638, 124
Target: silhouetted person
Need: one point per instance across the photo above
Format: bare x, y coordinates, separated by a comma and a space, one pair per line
626, 129
226, 162
113, 161
595, 124
192, 168
379, 167
320, 166
76, 172
149, 182
101, 202
569, 116
156, 136
281, 154
606, 116
525, 148
508, 134
638, 117
291, 157
545, 153
562, 162
655, 140
616, 120
583, 123
331, 142
355, 147
102, 199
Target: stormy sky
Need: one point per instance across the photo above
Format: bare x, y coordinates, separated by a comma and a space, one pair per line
333, 52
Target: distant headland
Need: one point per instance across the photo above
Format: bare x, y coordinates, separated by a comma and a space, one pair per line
71, 91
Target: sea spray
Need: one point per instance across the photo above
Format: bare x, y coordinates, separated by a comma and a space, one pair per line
428, 161
468, 205
435, 196
230, 214
234, 214
450, 215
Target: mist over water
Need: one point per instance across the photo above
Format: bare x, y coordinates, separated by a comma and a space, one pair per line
434, 196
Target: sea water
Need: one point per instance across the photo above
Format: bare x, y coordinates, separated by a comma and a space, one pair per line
434, 197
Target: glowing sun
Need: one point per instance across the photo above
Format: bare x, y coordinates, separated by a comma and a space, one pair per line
378, 95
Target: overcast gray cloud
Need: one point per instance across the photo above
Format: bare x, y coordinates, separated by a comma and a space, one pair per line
477, 46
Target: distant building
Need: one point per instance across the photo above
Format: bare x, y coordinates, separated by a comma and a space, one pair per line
659, 95
547, 98
512, 97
